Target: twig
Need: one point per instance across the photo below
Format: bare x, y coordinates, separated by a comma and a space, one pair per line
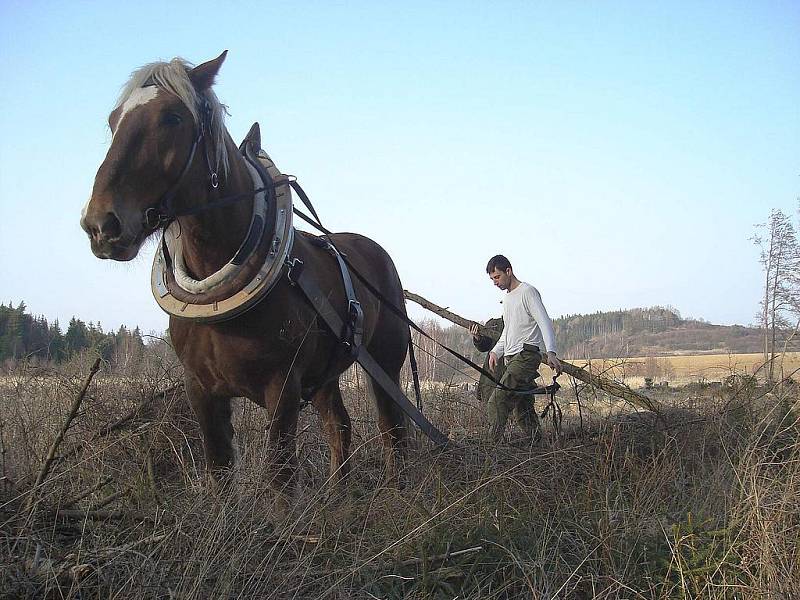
57, 442
578, 400
446, 556
151, 476
76, 513
109, 499
77, 498
3, 476
94, 559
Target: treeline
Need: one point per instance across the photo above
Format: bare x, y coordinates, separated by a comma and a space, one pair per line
572, 331
573, 335
638, 331
24, 336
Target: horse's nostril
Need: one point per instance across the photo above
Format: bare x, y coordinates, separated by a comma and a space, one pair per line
87, 227
111, 227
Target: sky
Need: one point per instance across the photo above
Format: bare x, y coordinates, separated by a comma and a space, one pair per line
619, 153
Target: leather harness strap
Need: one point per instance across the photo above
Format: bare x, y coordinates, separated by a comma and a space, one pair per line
322, 306
351, 335
353, 332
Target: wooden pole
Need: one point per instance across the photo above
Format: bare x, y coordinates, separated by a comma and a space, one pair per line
614, 388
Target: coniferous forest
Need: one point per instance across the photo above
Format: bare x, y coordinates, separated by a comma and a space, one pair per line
28, 337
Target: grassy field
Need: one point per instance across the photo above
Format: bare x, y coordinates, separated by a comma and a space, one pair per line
702, 503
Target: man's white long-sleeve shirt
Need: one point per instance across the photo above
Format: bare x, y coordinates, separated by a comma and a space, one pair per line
525, 322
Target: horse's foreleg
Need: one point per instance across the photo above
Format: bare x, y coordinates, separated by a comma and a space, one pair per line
328, 401
282, 399
214, 416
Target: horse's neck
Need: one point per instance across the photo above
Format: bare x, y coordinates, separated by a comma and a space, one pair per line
211, 238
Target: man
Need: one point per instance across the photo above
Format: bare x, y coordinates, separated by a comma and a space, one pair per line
528, 330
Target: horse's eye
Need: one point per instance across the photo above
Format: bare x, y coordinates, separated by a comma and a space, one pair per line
172, 119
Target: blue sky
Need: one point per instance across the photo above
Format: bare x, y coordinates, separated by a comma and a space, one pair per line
619, 153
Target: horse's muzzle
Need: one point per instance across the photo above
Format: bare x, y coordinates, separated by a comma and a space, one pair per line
105, 237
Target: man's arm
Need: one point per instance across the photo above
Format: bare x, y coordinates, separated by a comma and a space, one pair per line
500, 346
537, 310
497, 352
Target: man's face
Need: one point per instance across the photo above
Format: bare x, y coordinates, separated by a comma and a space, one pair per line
501, 279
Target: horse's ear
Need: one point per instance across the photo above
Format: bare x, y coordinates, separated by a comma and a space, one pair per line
202, 76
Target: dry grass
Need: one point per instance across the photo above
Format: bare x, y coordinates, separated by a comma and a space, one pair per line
706, 504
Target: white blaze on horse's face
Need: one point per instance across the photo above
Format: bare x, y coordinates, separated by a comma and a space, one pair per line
139, 97
113, 215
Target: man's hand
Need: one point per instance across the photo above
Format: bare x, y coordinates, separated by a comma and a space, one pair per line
554, 363
474, 329
492, 362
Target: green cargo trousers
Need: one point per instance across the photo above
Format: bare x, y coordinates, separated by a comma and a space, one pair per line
521, 372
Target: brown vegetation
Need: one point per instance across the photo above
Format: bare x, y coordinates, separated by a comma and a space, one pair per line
706, 504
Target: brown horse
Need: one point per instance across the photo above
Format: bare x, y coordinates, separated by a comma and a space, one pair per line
276, 350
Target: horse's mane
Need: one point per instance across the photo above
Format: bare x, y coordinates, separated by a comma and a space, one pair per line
173, 77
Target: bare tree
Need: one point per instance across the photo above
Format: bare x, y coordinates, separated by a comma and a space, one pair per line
780, 261
794, 275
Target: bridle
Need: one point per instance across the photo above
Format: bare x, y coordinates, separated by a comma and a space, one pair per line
165, 212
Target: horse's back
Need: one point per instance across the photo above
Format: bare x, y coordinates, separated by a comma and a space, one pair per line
368, 256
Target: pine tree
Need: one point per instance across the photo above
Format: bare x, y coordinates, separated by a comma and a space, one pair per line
77, 337
57, 344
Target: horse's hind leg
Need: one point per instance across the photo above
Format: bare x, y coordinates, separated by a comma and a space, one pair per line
328, 401
392, 425
282, 399
214, 417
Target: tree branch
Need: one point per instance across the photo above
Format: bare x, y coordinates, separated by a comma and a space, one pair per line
51, 454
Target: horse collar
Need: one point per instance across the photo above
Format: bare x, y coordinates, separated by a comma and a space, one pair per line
251, 273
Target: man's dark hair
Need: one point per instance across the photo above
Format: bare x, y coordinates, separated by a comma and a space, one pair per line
499, 262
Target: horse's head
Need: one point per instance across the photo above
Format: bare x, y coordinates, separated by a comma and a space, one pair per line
156, 153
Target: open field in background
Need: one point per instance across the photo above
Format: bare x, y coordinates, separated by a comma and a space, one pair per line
704, 504
688, 369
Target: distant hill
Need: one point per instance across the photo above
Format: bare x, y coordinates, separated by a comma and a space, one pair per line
655, 331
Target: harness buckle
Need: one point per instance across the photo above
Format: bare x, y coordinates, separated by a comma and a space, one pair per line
153, 218
295, 269
357, 319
